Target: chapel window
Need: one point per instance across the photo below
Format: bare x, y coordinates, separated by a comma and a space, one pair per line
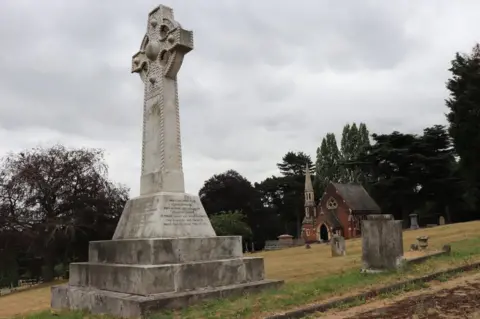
332, 203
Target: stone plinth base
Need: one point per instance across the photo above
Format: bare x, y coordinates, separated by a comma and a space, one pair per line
134, 306
164, 215
129, 278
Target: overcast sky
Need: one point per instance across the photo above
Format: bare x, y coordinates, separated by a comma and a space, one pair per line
265, 77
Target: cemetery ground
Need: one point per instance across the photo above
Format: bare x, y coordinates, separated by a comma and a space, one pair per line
448, 297
312, 276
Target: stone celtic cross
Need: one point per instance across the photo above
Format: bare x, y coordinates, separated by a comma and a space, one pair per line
158, 62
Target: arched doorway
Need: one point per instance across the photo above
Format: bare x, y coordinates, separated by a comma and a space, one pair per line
323, 233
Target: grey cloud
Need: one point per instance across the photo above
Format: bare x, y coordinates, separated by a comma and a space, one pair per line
243, 94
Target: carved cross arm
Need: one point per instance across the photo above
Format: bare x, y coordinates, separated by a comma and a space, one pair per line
139, 60
181, 40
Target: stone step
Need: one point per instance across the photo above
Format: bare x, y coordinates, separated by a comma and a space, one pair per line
134, 306
153, 279
165, 250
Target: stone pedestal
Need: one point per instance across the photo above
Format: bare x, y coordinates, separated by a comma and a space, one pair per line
164, 215
413, 221
132, 278
382, 243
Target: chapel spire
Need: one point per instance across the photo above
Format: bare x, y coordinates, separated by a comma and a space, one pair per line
308, 180
309, 194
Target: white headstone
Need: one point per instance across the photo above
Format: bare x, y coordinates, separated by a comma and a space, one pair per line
163, 209
441, 220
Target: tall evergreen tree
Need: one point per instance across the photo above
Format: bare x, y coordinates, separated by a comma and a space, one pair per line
350, 141
354, 141
332, 163
327, 164
464, 116
411, 171
364, 137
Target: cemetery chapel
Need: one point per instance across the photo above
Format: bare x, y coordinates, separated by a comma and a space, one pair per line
340, 211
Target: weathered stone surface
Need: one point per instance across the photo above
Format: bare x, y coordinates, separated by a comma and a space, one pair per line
413, 221
380, 217
165, 251
441, 220
338, 246
422, 242
134, 306
164, 215
166, 278
382, 243
158, 63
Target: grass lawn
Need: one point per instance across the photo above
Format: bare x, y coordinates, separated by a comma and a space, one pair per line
311, 275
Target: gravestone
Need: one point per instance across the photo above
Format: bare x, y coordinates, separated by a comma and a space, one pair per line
413, 221
441, 220
164, 252
338, 246
382, 243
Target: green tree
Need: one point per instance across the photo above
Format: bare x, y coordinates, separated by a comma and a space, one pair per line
293, 164
327, 166
364, 138
350, 141
411, 172
441, 187
54, 200
464, 117
230, 191
354, 143
272, 195
292, 183
394, 167
231, 224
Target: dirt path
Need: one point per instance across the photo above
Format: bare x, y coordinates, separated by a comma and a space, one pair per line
456, 298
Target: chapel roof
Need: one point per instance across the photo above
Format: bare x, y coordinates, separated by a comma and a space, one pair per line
332, 219
356, 197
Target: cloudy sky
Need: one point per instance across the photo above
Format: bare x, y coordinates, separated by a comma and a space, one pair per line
265, 77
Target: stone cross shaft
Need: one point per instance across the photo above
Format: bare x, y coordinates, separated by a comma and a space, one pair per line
158, 62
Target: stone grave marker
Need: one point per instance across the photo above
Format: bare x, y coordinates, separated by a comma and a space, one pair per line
441, 220
382, 243
338, 246
413, 221
164, 253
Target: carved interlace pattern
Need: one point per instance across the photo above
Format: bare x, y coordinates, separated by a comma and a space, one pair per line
158, 58
154, 88
179, 139
162, 126
144, 129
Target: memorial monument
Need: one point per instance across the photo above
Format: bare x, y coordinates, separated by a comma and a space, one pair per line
382, 243
164, 253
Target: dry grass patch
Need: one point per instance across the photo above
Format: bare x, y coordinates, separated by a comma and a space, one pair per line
25, 302
300, 264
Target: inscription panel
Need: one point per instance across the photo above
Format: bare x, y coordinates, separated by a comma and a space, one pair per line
183, 212
164, 215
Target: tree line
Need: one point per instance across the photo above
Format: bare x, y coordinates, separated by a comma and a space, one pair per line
53, 201
434, 173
